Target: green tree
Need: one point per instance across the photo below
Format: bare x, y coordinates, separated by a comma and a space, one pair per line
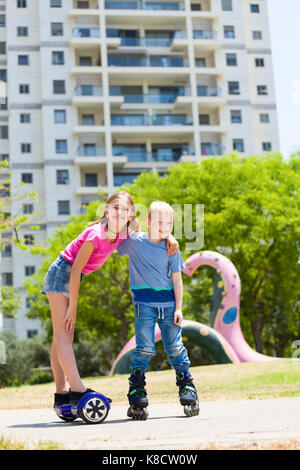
252, 216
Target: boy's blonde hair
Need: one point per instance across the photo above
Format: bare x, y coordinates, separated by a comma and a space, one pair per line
159, 206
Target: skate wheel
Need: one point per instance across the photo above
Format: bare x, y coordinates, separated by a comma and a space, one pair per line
191, 410
138, 414
94, 410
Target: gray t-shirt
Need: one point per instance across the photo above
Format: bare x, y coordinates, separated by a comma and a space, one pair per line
150, 270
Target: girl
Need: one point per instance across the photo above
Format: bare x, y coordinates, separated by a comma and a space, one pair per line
87, 253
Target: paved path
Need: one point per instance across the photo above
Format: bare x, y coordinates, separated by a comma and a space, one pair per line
225, 423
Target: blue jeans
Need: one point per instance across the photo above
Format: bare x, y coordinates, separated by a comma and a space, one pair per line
145, 318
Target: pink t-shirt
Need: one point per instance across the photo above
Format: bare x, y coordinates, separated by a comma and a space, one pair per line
103, 248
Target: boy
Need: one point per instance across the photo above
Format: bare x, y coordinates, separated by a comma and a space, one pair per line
156, 296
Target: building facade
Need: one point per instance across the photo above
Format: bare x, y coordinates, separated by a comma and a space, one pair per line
99, 91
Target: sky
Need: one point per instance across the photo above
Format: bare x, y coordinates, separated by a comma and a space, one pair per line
285, 43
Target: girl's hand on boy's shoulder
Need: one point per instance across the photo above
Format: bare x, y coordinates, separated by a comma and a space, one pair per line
172, 245
178, 317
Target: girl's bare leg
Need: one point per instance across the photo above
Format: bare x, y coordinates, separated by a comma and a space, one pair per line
63, 360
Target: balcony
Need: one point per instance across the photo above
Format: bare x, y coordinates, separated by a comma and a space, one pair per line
88, 95
153, 61
144, 5
141, 158
212, 149
211, 96
169, 39
155, 120
83, 37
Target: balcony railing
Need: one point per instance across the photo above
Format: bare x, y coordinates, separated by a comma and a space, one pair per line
88, 90
208, 91
158, 120
143, 5
83, 32
152, 98
204, 34
91, 151
159, 155
147, 62
212, 149
146, 41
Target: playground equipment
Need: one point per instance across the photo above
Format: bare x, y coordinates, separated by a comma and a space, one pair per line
224, 340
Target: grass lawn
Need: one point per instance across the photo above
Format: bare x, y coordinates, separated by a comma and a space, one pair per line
279, 378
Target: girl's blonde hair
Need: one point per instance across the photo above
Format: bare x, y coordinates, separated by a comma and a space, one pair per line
132, 225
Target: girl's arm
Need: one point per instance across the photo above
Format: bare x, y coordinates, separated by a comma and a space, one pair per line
178, 291
81, 260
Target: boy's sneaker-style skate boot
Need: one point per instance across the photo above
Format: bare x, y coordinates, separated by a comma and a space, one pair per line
137, 396
188, 394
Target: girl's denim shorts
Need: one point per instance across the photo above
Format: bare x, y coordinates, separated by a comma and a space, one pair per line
57, 278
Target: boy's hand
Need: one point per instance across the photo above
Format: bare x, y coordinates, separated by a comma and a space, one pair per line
69, 320
172, 245
178, 317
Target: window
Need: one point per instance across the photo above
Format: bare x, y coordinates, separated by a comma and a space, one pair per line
204, 119
257, 35
91, 179
2, 21
227, 5
3, 132
58, 58
24, 89
266, 146
2, 47
83, 4
27, 208
23, 60
28, 239
264, 118
262, 90
61, 146
3, 75
236, 116
7, 251
55, 3
259, 62
60, 116
62, 177
22, 31
21, 3
238, 144
29, 270
4, 158
89, 150
57, 29
85, 61
25, 148
7, 279
31, 333
25, 118
27, 178
88, 119
196, 6
233, 88
63, 207
231, 60
254, 8
229, 32
59, 87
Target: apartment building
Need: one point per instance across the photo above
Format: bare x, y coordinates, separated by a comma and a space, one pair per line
99, 91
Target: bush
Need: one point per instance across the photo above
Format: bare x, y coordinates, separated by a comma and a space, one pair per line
41, 377
21, 358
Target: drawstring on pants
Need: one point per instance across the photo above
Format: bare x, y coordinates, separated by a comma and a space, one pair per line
161, 313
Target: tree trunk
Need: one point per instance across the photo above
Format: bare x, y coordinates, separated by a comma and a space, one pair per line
257, 326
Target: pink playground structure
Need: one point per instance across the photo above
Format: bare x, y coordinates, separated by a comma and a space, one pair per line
224, 339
